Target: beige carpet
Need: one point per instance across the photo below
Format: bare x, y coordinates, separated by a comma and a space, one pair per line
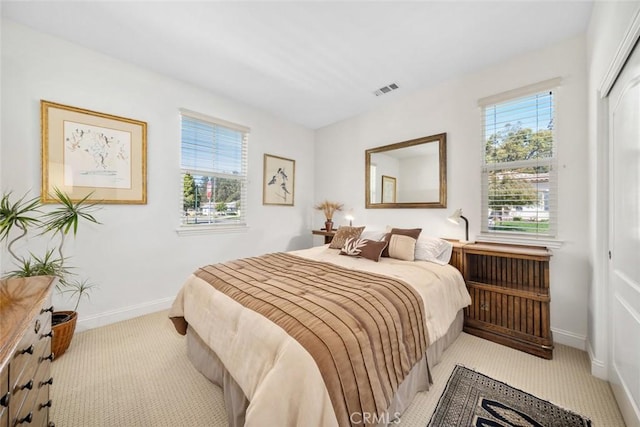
136, 373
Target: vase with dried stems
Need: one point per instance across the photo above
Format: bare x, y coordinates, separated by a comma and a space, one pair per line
329, 208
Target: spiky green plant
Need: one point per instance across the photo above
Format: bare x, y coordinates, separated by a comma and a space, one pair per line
78, 289
46, 265
66, 217
24, 215
17, 214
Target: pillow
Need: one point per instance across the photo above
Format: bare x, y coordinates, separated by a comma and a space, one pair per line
376, 235
343, 233
411, 232
364, 248
433, 248
402, 247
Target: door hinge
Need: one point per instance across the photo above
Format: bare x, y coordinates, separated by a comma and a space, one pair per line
609, 254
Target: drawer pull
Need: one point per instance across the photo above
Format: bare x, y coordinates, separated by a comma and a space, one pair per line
28, 385
43, 383
4, 400
49, 358
50, 335
26, 419
45, 405
46, 310
27, 350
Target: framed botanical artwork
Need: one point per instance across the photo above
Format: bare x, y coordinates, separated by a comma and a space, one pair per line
388, 189
279, 181
94, 155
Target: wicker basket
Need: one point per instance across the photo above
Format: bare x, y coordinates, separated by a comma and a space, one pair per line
63, 332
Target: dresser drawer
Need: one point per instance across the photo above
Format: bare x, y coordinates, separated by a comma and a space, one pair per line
36, 401
42, 404
26, 386
25, 351
5, 397
38, 330
41, 383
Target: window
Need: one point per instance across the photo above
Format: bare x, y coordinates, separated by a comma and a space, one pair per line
518, 164
213, 165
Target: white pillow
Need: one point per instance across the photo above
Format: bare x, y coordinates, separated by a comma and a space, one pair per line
433, 248
402, 247
376, 235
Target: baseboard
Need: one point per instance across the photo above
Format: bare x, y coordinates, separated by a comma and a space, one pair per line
113, 316
569, 338
598, 367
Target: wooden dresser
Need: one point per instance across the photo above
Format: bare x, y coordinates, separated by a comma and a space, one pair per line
510, 294
25, 351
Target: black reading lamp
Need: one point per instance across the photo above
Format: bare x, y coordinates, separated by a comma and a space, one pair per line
456, 217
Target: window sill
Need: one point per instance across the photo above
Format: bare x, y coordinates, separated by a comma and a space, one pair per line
192, 230
520, 239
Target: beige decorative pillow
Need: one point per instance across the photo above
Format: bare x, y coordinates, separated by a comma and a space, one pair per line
402, 247
345, 232
370, 249
412, 232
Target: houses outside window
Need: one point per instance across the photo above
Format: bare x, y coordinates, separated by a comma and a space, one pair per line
519, 179
213, 164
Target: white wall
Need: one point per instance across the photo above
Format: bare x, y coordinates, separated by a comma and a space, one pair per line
451, 107
136, 256
608, 25
417, 182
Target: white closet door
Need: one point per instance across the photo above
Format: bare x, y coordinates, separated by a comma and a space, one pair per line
624, 292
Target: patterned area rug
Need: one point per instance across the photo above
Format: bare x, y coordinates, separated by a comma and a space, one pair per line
474, 399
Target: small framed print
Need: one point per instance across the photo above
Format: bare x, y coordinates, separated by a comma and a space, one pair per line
279, 181
388, 189
95, 155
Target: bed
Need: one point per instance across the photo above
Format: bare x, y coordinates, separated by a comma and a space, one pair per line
304, 362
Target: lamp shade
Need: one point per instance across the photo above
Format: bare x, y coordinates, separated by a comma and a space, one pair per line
455, 217
349, 217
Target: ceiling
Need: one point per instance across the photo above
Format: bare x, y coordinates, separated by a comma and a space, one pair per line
311, 62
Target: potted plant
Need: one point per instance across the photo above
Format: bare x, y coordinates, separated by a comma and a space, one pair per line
329, 208
24, 215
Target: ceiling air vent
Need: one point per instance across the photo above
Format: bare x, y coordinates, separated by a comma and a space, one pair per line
386, 89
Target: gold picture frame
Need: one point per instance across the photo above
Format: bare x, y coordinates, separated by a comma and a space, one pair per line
90, 154
388, 189
279, 181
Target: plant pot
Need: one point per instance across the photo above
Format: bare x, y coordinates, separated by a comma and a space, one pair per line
328, 225
63, 326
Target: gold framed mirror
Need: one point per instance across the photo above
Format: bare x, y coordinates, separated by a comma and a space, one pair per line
415, 171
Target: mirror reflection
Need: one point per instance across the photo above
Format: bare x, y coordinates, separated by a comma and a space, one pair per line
408, 174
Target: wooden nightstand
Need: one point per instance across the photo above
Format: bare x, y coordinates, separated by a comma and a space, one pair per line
456, 259
509, 287
328, 235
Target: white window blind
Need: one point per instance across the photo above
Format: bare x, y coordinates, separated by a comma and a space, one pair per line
213, 164
519, 180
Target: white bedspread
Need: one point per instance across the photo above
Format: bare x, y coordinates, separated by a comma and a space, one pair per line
278, 376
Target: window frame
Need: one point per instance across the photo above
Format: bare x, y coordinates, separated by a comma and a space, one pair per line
214, 227
550, 238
